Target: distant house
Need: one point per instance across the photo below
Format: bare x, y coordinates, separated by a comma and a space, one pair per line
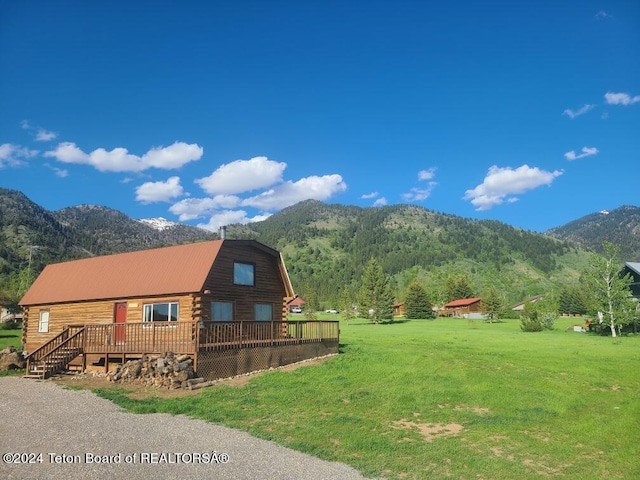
221, 302
633, 269
518, 307
398, 309
7, 315
295, 304
462, 307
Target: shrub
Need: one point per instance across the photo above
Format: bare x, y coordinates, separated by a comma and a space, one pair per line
539, 316
529, 324
10, 325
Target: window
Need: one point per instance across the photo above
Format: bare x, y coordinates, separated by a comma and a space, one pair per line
222, 311
43, 323
263, 312
243, 273
161, 312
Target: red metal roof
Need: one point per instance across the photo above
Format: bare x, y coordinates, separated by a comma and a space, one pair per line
160, 271
463, 302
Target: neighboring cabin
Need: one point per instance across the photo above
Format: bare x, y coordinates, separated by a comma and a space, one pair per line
633, 269
462, 307
166, 299
295, 305
519, 307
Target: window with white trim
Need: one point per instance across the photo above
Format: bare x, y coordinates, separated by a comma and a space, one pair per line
263, 312
243, 274
43, 322
222, 311
161, 312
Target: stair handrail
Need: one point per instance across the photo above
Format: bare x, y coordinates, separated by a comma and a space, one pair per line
56, 342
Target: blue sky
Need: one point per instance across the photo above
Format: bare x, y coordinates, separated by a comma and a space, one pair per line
217, 112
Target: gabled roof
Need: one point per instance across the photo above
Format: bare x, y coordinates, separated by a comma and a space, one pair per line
297, 300
463, 302
634, 266
160, 271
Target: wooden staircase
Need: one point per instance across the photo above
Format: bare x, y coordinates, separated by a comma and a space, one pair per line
55, 355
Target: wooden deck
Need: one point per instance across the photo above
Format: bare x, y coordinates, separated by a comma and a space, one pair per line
191, 338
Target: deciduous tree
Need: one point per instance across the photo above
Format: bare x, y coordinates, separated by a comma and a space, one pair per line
610, 293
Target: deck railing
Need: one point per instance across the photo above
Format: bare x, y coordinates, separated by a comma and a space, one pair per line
148, 337
190, 337
242, 334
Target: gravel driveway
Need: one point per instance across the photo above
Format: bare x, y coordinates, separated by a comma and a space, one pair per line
80, 429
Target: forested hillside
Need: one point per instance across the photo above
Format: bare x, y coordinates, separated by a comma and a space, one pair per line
620, 226
32, 237
326, 247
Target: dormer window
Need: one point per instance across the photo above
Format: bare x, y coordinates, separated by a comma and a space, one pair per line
243, 274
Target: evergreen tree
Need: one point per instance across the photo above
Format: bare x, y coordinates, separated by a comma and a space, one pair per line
417, 304
346, 305
375, 297
311, 305
571, 301
458, 287
492, 303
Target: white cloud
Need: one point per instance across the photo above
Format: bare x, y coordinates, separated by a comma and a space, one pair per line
41, 135
228, 217
288, 193
243, 176
586, 152
602, 14
501, 184
427, 174
14, 155
120, 160
60, 172
367, 196
581, 111
620, 98
44, 135
224, 209
191, 208
419, 194
150, 192
381, 202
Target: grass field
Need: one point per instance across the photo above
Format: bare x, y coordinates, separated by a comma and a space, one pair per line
10, 337
446, 399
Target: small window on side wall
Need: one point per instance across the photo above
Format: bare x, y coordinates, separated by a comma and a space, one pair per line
222, 311
243, 274
43, 322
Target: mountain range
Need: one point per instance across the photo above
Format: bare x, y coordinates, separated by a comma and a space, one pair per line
326, 246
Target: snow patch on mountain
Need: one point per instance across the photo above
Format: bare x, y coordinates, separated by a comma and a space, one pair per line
158, 223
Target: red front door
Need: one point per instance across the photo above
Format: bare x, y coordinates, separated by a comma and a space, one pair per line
120, 317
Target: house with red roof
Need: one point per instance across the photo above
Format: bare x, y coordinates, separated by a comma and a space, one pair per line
462, 307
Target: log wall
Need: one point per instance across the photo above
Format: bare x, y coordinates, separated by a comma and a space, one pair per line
92, 313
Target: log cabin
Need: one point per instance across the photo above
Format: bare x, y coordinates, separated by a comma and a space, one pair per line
462, 307
222, 302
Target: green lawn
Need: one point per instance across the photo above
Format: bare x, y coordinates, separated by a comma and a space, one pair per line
11, 337
446, 399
